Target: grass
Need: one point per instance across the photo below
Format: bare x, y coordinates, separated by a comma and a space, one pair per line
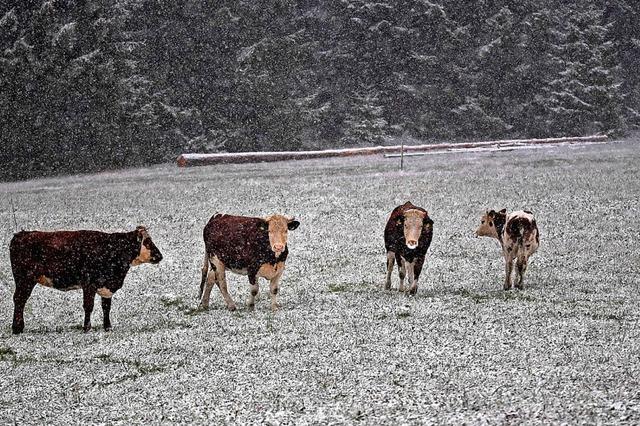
7, 353
341, 349
514, 295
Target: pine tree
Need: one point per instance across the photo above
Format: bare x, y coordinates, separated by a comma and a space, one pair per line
364, 123
585, 97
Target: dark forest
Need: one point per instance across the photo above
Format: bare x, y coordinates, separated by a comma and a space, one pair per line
95, 85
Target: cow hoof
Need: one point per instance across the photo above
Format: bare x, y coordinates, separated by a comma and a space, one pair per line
17, 330
413, 291
251, 306
275, 307
232, 308
86, 329
107, 329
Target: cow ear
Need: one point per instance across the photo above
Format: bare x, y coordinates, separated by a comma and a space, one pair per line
141, 233
503, 211
293, 224
263, 225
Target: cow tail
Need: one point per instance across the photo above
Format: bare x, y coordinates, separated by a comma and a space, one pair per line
205, 271
521, 234
516, 229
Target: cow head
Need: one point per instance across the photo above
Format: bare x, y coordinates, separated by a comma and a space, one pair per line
414, 221
489, 223
149, 253
278, 228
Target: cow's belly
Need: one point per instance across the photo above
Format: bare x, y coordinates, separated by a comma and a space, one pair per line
58, 284
229, 265
269, 271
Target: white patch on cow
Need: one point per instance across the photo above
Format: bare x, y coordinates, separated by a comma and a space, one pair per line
104, 292
239, 271
413, 223
45, 281
270, 271
72, 287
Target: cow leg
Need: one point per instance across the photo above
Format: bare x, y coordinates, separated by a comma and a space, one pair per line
402, 271
274, 288
253, 292
417, 269
410, 274
106, 309
521, 265
209, 280
205, 272
222, 284
508, 269
391, 257
20, 297
88, 299
206, 294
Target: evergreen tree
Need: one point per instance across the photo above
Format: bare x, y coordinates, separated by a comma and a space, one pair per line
585, 97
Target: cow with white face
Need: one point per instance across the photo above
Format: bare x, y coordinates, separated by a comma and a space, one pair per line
519, 238
252, 246
407, 237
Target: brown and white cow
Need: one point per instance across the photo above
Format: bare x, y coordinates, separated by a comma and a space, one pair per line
96, 262
250, 246
407, 237
519, 238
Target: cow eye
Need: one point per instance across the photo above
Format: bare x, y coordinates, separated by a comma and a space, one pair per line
482, 222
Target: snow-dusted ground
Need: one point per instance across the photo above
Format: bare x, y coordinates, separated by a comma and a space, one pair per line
342, 350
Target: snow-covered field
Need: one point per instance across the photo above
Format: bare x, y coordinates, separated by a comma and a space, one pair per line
342, 350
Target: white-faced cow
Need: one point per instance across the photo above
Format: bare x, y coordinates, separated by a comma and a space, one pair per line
96, 262
519, 238
250, 246
407, 237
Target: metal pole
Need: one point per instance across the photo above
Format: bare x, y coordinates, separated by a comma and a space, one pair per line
13, 210
402, 154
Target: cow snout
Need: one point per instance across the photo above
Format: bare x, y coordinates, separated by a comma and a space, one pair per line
278, 248
156, 258
412, 244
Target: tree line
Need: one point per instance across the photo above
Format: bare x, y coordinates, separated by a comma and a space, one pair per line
92, 85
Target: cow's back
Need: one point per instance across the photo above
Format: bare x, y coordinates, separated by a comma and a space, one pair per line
65, 258
238, 241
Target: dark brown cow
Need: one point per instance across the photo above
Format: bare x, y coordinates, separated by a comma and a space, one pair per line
245, 245
96, 262
519, 238
407, 237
